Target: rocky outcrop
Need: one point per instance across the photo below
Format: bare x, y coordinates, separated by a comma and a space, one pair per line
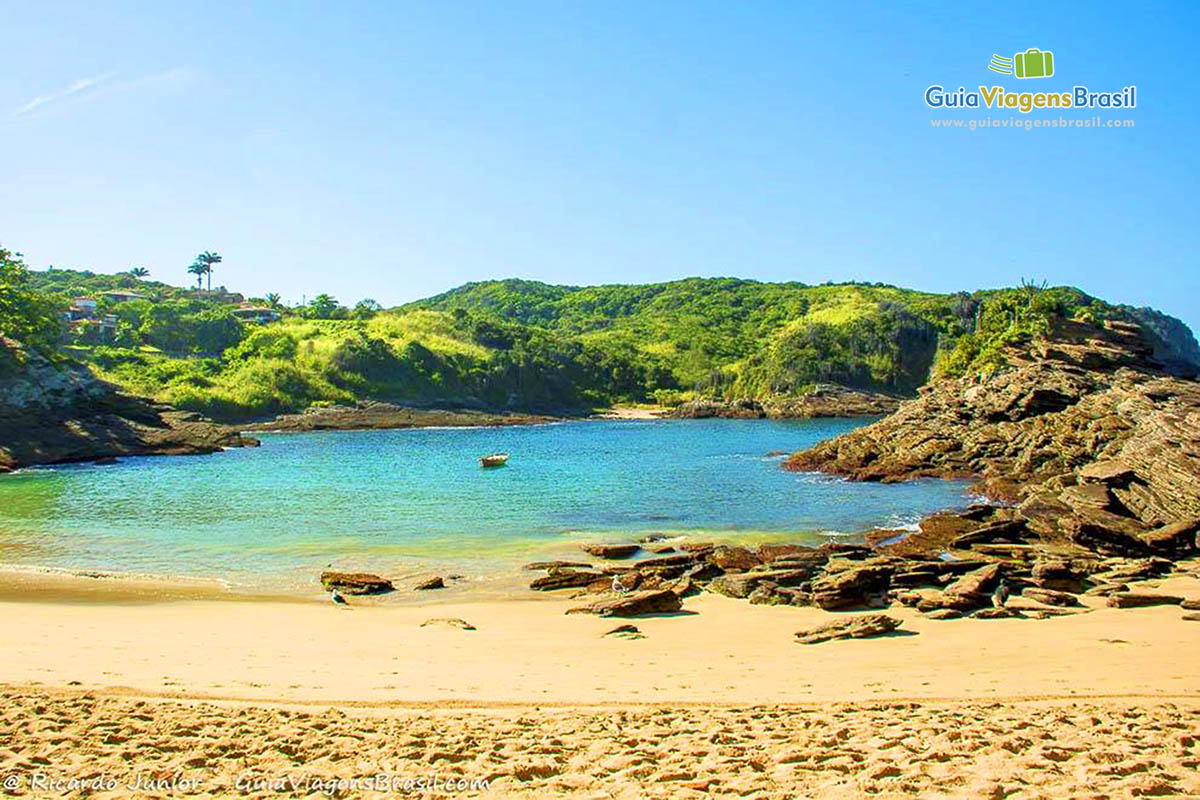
611, 551
859, 627
1142, 600
825, 400
355, 582
54, 413
662, 601
559, 578
371, 415
1092, 439
436, 582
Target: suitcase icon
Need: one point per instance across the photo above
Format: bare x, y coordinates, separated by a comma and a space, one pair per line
1034, 63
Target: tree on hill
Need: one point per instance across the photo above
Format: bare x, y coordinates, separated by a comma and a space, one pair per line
198, 268
272, 299
367, 308
208, 259
322, 306
139, 272
25, 313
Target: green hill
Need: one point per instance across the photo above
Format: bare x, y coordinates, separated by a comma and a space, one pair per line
531, 346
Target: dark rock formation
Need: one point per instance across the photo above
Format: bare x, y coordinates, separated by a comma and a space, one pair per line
611, 550
556, 564
857, 627
1050, 597
1142, 599
1096, 443
825, 400
435, 582
626, 632
371, 415
662, 601
355, 582
733, 559
55, 413
567, 579
853, 586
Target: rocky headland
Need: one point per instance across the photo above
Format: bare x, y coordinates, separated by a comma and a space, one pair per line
1088, 443
1092, 441
55, 413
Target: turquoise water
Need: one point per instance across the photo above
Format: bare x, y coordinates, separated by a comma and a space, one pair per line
403, 502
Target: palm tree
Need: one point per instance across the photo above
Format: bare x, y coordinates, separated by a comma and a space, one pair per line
322, 305
139, 272
208, 259
273, 299
198, 268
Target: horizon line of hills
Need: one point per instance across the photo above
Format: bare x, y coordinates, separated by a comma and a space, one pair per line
527, 345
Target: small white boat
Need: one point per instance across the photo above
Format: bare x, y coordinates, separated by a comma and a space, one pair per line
494, 460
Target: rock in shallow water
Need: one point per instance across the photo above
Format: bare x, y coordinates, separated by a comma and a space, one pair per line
435, 582
611, 550
355, 582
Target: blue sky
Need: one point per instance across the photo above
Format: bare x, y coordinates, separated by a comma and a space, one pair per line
393, 150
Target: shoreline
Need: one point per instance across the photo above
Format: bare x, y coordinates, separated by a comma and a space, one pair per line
532, 701
529, 651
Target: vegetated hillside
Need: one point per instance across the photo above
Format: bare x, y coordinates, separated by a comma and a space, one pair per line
426, 358
744, 339
728, 336
528, 346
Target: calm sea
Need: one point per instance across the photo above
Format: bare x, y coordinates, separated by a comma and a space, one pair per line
414, 501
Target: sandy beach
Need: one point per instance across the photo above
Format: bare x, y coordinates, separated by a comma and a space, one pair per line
115, 679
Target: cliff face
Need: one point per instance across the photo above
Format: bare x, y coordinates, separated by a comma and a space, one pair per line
1086, 432
51, 414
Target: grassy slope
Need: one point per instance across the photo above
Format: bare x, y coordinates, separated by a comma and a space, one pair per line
529, 345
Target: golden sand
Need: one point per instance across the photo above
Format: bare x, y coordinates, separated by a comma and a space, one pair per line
197, 692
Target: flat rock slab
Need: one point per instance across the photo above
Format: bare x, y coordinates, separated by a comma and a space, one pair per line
662, 601
944, 613
859, 627
1142, 600
452, 622
996, 613
1050, 597
556, 564
565, 579
611, 550
355, 582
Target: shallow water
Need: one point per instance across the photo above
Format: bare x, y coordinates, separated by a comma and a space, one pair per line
406, 501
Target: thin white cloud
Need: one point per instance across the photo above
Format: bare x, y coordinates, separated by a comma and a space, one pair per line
100, 85
81, 85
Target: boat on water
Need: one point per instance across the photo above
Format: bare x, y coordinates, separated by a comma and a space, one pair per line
494, 460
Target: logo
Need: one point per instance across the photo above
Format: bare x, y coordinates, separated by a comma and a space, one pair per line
1033, 63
